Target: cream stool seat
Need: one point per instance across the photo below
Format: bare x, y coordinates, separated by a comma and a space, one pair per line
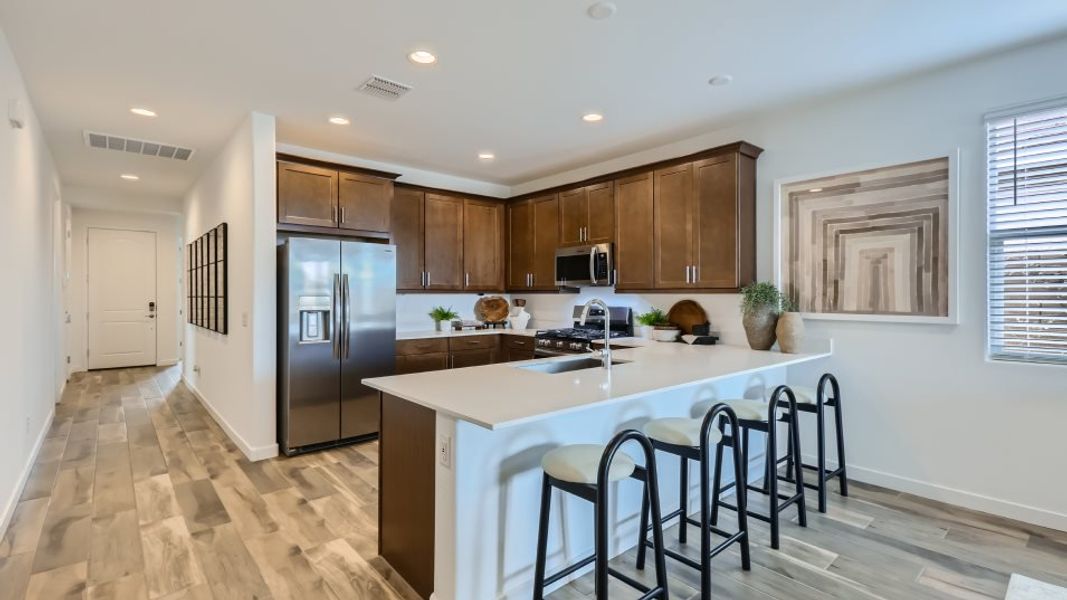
679, 431
745, 409
803, 394
579, 463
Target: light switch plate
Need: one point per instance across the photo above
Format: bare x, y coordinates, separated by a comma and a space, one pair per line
444, 451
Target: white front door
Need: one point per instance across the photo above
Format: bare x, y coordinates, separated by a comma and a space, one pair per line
122, 296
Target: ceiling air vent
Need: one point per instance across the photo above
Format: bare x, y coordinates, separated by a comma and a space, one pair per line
106, 141
383, 88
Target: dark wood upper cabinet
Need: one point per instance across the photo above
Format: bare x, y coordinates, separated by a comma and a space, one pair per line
408, 234
483, 246
307, 195
724, 217
545, 242
443, 217
520, 244
364, 202
672, 226
586, 215
533, 236
633, 232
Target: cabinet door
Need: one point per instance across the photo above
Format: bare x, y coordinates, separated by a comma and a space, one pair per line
573, 216
715, 205
545, 241
364, 202
672, 226
444, 242
633, 232
420, 363
307, 195
600, 219
408, 231
520, 244
473, 358
483, 245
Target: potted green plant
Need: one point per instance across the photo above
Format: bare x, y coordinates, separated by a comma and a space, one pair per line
440, 313
761, 303
656, 326
790, 327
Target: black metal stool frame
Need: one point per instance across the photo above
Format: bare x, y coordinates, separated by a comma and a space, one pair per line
778, 502
702, 454
598, 495
825, 475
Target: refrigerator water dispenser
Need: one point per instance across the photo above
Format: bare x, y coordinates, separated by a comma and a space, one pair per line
315, 318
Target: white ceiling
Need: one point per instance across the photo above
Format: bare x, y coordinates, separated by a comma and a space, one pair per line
514, 76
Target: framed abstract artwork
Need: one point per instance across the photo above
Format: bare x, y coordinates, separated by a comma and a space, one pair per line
872, 244
207, 280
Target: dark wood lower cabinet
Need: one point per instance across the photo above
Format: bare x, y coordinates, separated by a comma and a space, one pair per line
407, 460
421, 362
516, 347
473, 358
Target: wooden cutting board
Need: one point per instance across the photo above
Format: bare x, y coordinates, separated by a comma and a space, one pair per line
491, 309
685, 314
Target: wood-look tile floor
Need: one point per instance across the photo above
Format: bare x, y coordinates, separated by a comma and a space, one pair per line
137, 493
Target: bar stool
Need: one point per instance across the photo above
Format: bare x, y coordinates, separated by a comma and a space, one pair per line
814, 400
585, 470
755, 415
692, 439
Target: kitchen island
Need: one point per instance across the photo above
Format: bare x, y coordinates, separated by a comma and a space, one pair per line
461, 455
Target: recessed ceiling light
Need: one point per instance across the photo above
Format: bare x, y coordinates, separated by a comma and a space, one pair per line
592, 117
142, 112
486, 155
721, 80
815, 190
422, 57
129, 177
601, 10
339, 120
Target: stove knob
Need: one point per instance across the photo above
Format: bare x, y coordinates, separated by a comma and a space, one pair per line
559, 344
576, 345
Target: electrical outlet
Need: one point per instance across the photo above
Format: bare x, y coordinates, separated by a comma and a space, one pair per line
444, 451
196, 369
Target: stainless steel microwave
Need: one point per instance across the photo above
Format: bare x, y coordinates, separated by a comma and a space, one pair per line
584, 265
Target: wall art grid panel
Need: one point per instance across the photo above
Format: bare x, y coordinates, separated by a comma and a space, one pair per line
873, 242
207, 278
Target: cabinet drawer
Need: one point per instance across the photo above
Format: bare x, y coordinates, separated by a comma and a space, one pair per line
421, 346
472, 342
519, 342
418, 363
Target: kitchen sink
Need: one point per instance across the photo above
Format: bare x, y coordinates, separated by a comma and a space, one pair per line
566, 366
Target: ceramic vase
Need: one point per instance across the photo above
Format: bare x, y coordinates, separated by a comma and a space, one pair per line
790, 330
437, 325
759, 327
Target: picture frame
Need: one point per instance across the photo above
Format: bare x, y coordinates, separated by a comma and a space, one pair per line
207, 280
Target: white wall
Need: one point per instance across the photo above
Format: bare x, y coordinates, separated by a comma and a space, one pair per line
234, 374
924, 411
412, 309
129, 200
169, 301
29, 268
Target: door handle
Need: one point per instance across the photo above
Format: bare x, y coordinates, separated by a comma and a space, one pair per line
346, 313
336, 320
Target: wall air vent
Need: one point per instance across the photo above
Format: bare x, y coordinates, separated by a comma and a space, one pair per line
383, 88
106, 141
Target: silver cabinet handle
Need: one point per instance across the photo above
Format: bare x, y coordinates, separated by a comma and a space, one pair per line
342, 214
533, 280
427, 279
688, 278
466, 280
614, 276
696, 275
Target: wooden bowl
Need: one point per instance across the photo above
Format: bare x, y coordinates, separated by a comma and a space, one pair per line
492, 309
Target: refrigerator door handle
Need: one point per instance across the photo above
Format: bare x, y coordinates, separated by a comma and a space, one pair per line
346, 312
336, 321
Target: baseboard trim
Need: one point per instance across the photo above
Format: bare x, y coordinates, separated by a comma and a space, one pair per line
252, 453
955, 496
12, 502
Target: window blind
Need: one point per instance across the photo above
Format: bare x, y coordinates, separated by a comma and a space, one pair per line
1028, 236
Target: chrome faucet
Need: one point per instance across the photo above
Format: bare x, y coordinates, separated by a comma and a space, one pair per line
606, 353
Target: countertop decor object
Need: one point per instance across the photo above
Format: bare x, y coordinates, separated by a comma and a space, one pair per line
760, 304
790, 328
491, 309
665, 334
648, 321
440, 313
686, 314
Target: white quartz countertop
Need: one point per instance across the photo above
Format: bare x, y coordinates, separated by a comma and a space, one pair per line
448, 333
501, 395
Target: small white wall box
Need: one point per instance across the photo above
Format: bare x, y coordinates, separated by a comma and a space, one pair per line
16, 115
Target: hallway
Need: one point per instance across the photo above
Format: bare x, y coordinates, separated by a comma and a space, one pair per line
137, 493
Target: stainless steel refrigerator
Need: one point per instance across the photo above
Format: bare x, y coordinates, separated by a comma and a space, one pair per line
337, 325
